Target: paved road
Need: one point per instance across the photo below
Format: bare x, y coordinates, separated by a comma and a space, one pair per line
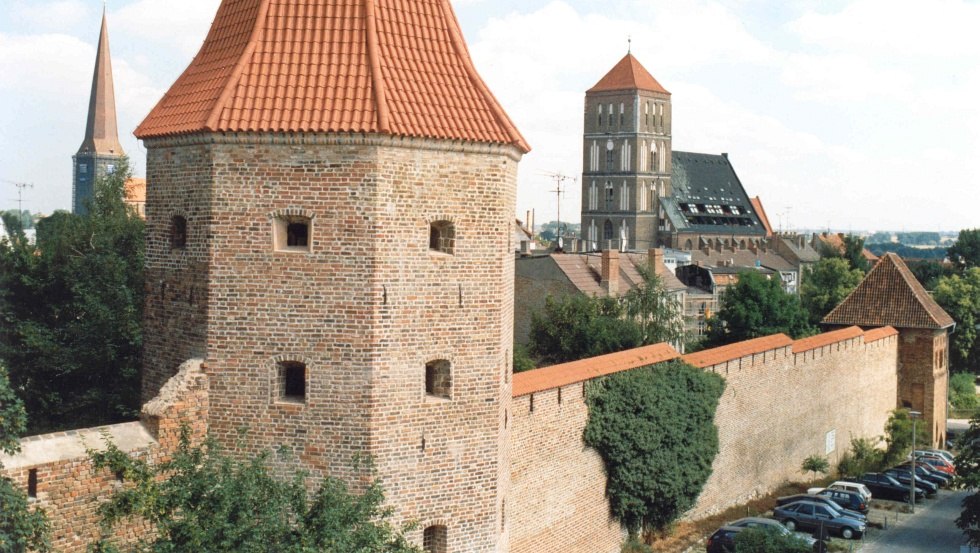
932, 528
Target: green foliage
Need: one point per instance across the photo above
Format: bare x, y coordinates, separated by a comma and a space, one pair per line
757, 306
71, 313
21, 528
963, 391
965, 252
959, 295
928, 273
635, 545
577, 326
864, 456
853, 252
825, 284
654, 428
816, 464
898, 436
761, 540
934, 254
203, 500
967, 464
522, 359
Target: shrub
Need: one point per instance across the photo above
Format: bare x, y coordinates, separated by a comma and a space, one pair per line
758, 540
863, 457
963, 391
815, 464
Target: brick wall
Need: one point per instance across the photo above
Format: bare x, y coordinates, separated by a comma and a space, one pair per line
777, 409
923, 377
70, 489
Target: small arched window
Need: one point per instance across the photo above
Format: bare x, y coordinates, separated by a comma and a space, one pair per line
435, 539
622, 114
600, 115
438, 379
292, 381
442, 237
653, 156
607, 231
178, 232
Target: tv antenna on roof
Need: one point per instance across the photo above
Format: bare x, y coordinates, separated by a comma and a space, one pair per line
559, 178
20, 197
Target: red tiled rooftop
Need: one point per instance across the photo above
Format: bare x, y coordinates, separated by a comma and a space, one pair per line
628, 74
826, 339
761, 212
394, 67
555, 376
876, 334
723, 354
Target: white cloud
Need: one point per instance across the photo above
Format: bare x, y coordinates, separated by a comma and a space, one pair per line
181, 24
59, 15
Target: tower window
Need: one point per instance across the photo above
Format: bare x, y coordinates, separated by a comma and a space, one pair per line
442, 237
32, 484
292, 233
610, 195
600, 115
438, 378
178, 232
435, 539
622, 114
83, 168
292, 381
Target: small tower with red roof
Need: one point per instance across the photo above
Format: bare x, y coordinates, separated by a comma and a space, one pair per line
330, 193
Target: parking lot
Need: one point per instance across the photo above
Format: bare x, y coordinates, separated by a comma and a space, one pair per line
931, 528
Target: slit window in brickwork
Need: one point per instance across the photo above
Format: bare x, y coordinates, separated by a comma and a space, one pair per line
292, 381
435, 539
442, 237
438, 378
178, 232
293, 233
32, 483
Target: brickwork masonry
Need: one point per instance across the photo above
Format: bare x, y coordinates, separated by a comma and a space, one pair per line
70, 489
783, 401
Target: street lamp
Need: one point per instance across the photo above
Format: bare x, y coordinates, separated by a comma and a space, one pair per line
913, 415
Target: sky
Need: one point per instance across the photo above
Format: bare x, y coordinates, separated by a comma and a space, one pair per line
855, 115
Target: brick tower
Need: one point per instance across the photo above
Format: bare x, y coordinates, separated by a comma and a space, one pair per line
100, 150
626, 157
329, 200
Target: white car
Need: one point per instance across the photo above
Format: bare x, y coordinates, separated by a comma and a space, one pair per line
852, 487
934, 453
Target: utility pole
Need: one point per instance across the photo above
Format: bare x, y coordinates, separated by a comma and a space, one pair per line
559, 178
20, 198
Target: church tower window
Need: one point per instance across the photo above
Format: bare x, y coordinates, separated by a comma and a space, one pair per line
600, 115
610, 195
622, 114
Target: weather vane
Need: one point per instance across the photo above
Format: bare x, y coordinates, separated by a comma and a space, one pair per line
629, 44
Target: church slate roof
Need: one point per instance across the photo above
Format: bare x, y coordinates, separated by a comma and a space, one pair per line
393, 67
628, 74
890, 295
708, 197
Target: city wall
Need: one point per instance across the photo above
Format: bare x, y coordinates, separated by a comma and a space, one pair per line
784, 400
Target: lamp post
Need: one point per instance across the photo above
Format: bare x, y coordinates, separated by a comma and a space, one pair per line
913, 415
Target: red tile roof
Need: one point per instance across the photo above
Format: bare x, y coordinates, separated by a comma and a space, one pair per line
628, 74
723, 354
890, 295
761, 212
876, 334
555, 376
826, 339
397, 67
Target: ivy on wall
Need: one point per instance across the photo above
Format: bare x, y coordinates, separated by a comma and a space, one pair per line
654, 429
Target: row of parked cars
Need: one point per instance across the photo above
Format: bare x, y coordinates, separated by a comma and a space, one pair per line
842, 507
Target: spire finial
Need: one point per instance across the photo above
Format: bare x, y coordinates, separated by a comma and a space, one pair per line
629, 44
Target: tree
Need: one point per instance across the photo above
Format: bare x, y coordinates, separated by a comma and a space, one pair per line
204, 500
963, 391
762, 540
959, 295
928, 272
757, 306
577, 326
825, 284
659, 316
898, 436
967, 464
21, 528
71, 313
965, 252
852, 250
654, 429
816, 464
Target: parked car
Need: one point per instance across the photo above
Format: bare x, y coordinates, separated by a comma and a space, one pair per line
929, 473
885, 487
904, 477
770, 525
811, 515
723, 540
939, 464
823, 500
938, 453
852, 487
847, 500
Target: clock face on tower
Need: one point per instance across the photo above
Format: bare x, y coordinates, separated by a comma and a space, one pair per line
609, 145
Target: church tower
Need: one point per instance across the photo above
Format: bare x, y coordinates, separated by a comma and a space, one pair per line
100, 151
626, 158
330, 194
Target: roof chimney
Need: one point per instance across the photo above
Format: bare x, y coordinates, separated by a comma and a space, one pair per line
724, 155
610, 272
655, 258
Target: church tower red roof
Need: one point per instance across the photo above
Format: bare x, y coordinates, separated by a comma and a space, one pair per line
395, 67
628, 74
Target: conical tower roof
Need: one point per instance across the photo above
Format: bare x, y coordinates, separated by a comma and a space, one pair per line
101, 134
628, 74
890, 295
396, 67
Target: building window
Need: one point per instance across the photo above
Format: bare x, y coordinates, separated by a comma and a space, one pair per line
435, 539
178, 232
32, 484
438, 378
653, 156
593, 196
610, 160
622, 114
292, 381
600, 115
110, 168
610, 195
607, 231
293, 233
83, 168
442, 237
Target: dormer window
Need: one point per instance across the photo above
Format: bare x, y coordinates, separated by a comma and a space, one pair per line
442, 237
